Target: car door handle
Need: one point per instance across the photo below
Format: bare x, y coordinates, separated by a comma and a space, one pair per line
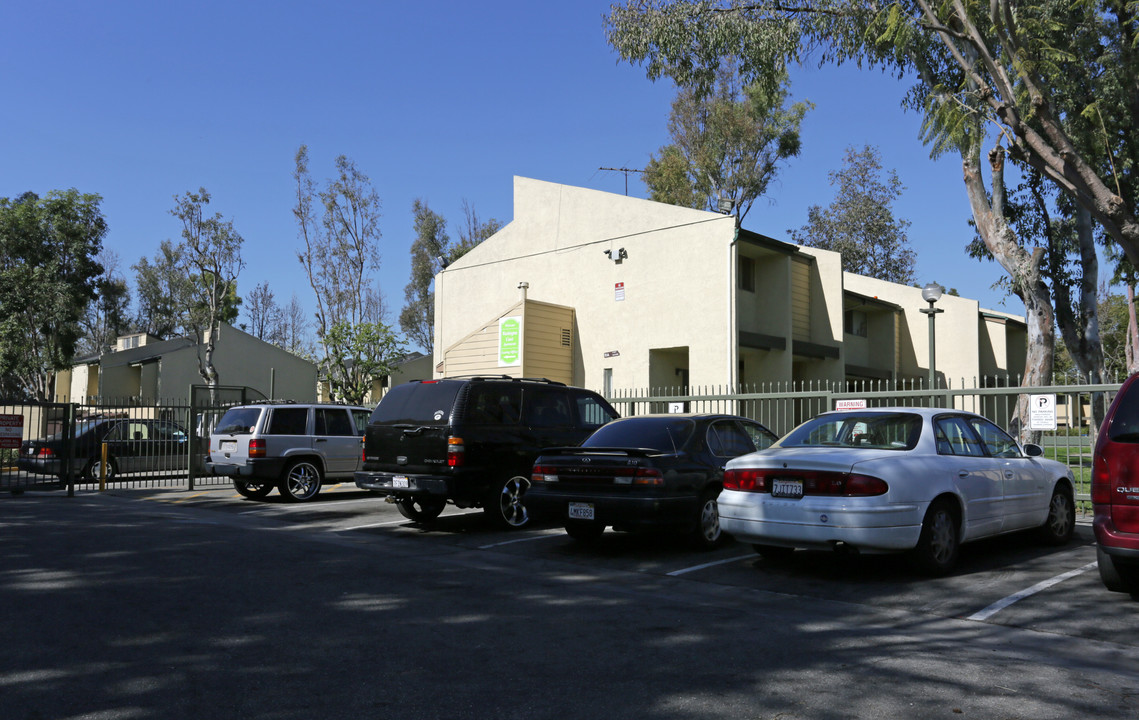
1008, 474
322, 439
962, 473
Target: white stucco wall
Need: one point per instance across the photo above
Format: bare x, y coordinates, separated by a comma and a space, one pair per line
678, 281
958, 341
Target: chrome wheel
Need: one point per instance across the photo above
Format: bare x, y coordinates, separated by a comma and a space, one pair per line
504, 505
95, 469
708, 533
301, 481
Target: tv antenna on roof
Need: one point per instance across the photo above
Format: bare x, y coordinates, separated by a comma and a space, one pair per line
626, 171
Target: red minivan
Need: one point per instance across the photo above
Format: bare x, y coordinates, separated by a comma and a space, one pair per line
1115, 492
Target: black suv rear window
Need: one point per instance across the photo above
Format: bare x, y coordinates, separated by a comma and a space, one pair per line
421, 403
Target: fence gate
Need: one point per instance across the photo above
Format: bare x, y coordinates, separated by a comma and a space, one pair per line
46, 468
207, 405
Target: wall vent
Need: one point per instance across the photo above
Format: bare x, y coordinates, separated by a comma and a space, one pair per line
567, 337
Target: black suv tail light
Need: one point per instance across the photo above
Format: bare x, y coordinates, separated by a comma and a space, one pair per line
456, 452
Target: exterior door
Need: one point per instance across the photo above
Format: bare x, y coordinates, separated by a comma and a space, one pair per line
1026, 493
978, 477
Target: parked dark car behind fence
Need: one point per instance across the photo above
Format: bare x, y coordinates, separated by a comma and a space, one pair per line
133, 446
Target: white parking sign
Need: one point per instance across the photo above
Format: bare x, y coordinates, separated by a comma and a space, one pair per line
1042, 412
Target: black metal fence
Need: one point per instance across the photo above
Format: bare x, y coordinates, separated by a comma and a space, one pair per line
108, 443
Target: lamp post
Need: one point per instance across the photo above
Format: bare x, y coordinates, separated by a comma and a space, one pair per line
931, 293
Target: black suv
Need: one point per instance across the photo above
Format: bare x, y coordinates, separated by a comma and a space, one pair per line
472, 441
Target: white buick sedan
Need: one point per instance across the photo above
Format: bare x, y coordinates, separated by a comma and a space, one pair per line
917, 480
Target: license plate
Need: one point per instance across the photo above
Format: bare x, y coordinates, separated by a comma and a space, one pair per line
787, 489
228, 445
581, 511
400, 481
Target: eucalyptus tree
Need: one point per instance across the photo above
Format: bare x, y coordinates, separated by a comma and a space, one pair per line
48, 274
472, 231
263, 312
161, 291
1003, 62
340, 228
108, 315
1032, 75
860, 222
210, 259
727, 143
429, 252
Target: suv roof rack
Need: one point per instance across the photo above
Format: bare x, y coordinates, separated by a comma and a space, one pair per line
547, 381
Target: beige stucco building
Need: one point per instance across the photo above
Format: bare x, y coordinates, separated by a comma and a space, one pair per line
611, 292
142, 368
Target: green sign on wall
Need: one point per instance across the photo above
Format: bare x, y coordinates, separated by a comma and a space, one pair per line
509, 341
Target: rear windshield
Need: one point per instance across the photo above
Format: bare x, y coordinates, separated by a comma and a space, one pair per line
419, 403
237, 421
878, 431
662, 434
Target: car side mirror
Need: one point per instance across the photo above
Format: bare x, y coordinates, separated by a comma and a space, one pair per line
1033, 450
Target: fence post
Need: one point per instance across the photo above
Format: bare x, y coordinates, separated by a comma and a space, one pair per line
192, 430
69, 447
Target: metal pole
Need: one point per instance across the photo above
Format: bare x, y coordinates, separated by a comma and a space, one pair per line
931, 311
932, 350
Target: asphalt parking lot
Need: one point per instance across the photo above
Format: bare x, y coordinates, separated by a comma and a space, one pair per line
1010, 580
529, 623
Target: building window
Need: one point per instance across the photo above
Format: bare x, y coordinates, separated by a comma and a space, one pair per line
854, 323
747, 274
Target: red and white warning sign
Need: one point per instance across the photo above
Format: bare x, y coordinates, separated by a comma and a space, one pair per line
11, 431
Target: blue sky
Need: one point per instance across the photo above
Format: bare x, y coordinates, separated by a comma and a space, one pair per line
440, 100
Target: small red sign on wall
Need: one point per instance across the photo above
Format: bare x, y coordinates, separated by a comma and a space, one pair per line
619, 292
11, 431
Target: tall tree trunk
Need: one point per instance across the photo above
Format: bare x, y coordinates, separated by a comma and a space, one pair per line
1022, 268
1079, 322
1132, 345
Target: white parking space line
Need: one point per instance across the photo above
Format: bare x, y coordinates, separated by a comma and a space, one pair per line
1005, 602
401, 521
276, 508
694, 568
545, 534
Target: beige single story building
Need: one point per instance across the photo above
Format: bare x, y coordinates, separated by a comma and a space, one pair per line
144, 369
612, 292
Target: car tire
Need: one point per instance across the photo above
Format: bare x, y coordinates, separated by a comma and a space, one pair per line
1116, 576
504, 504
253, 490
1061, 521
91, 470
707, 534
586, 531
939, 542
420, 509
301, 481
773, 552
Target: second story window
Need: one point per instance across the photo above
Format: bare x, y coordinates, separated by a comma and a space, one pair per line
854, 323
747, 274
